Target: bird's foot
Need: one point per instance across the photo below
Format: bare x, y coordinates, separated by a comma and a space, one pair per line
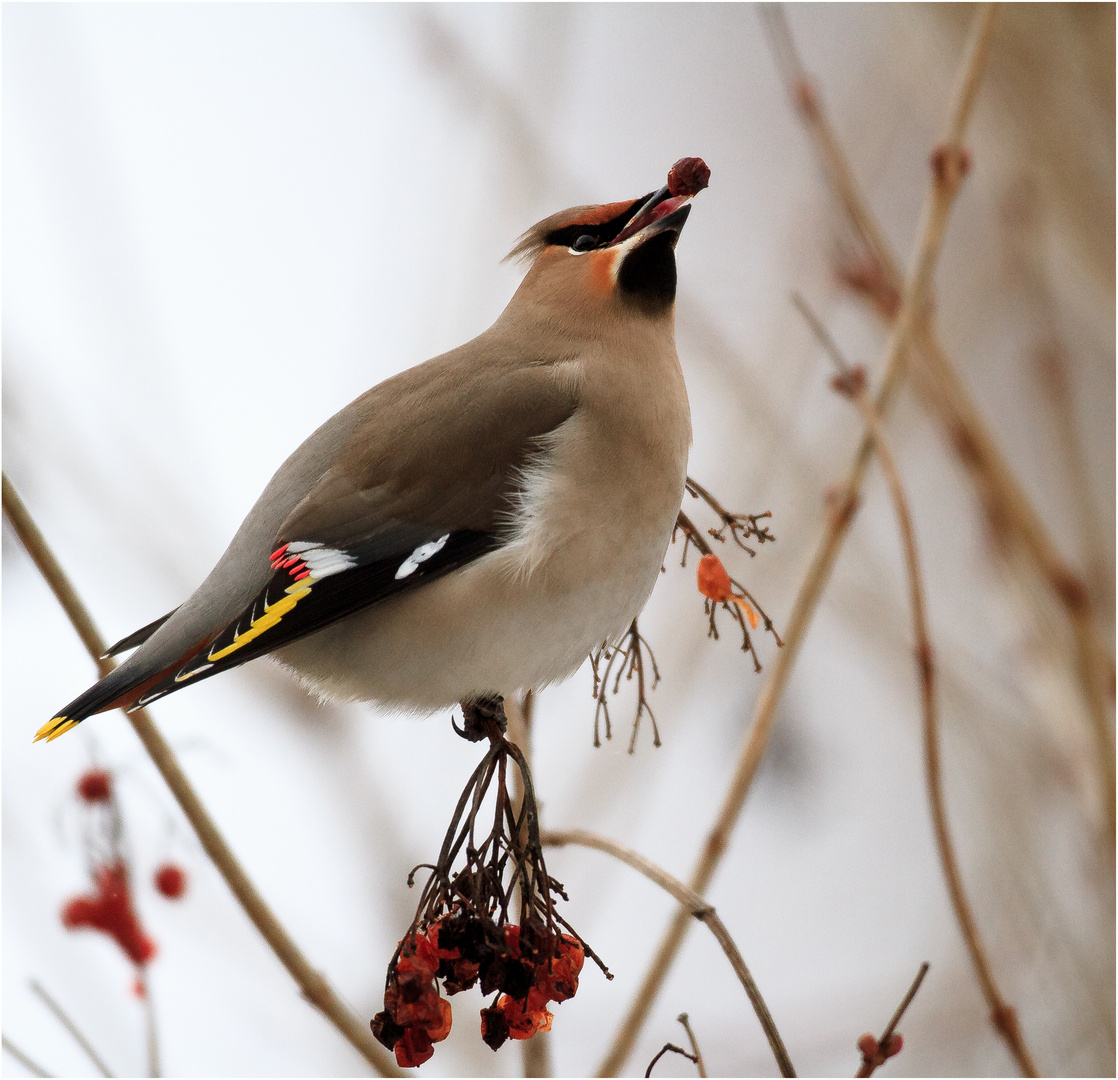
482, 719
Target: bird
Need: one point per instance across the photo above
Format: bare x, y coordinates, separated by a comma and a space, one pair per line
477, 524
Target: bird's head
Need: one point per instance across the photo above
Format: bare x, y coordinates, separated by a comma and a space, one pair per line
601, 261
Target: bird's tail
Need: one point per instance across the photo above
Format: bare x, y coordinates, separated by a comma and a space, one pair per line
123, 688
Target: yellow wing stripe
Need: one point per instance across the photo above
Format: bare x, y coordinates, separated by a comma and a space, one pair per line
55, 726
272, 615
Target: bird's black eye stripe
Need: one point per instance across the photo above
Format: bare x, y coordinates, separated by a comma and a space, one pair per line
570, 235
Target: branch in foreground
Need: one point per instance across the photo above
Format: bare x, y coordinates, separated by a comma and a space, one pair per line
75, 1032
28, 1063
693, 904
875, 1052
877, 279
934, 217
313, 985
851, 383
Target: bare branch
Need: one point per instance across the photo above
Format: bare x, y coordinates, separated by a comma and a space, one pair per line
1002, 1015
694, 905
937, 208
625, 660
699, 1064
741, 526
666, 1049
877, 279
76, 1033
313, 985
884, 1048
23, 1059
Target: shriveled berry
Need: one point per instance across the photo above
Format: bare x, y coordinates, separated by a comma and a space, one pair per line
494, 1027
461, 976
688, 176
519, 977
535, 940
439, 1030
413, 1048
385, 1030
492, 974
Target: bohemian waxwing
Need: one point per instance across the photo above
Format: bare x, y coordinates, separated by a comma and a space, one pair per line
477, 524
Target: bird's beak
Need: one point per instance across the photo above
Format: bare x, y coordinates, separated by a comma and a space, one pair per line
658, 213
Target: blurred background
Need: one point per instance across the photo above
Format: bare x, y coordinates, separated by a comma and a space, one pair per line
223, 222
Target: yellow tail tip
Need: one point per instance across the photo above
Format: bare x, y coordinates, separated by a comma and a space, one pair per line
55, 726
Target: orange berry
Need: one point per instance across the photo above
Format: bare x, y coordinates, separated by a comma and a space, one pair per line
714, 582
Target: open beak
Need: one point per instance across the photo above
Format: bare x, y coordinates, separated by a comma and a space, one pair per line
659, 212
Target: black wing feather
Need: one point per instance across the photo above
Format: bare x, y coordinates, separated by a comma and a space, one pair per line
371, 580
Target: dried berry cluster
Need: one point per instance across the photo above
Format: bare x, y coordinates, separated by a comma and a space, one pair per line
465, 932
526, 966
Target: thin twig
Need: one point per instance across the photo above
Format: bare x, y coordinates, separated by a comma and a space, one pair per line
699, 1063
535, 1053
76, 1033
868, 1066
1002, 1015
151, 1029
622, 661
23, 1059
313, 985
741, 526
1007, 504
933, 223
667, 1048
694, 905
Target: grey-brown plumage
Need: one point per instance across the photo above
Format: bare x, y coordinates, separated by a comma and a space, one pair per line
476, 524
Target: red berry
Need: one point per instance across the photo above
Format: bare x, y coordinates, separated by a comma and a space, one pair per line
170, 880
688, 176
110, 911
436, 1032
96, 785
413, 1049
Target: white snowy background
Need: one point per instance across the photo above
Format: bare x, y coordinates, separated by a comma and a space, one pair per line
223, 222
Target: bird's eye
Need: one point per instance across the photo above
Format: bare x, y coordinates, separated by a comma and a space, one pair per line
584, 243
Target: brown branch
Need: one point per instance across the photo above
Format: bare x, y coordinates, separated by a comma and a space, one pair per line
631, 651
699, 1063
741, 526
75, 1032
884, 1045
933, 222
667, 1048
535, 1053
1007, 506
1002, 1014
694, 905
313, 985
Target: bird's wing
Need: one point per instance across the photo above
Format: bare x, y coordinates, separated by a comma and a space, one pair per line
426, 483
